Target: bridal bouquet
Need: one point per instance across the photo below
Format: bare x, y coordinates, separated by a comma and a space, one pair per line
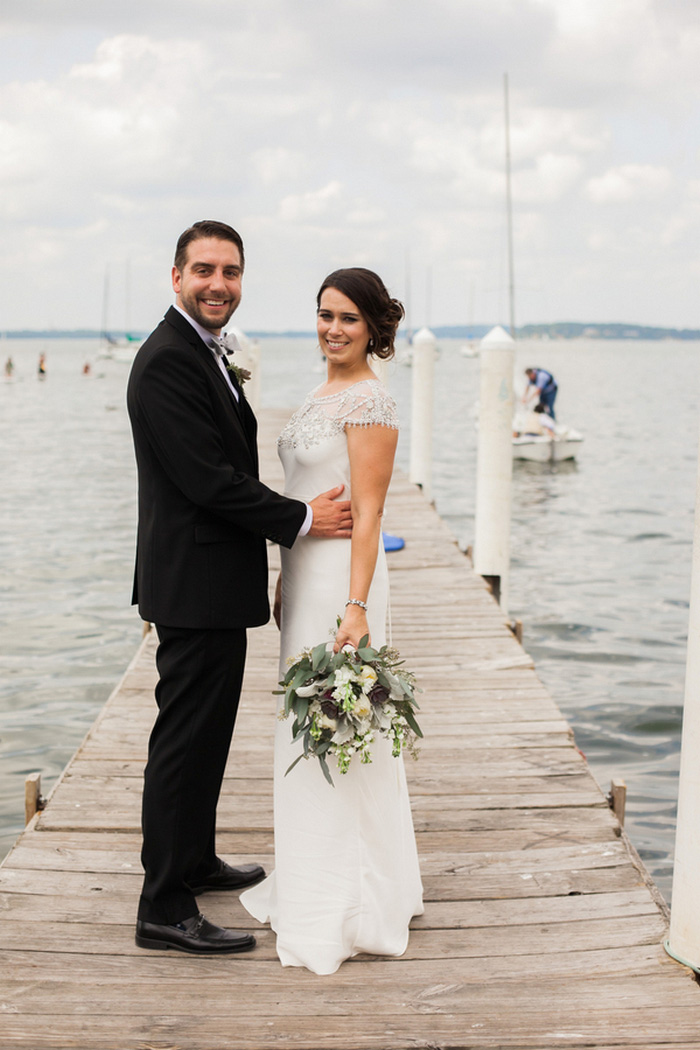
340, 701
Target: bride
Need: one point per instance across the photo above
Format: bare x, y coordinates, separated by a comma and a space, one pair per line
346, 877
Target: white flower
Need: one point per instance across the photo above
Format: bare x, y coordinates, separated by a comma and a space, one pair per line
344, 675
368, 676
362, 707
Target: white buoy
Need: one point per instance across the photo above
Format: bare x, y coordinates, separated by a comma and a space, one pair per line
494, 465
423, 365
684, 937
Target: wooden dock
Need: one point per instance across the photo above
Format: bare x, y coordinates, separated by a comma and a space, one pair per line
541, 927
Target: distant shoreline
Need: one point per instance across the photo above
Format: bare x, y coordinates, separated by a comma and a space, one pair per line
559, 330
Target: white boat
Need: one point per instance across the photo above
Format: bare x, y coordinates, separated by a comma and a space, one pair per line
563, 444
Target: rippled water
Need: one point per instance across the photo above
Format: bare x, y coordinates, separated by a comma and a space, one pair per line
600, 550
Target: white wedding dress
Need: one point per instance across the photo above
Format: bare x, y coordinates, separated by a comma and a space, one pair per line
346, 877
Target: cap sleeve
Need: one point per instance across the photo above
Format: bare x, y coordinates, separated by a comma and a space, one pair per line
368, 404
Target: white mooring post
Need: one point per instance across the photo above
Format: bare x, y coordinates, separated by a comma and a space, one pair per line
494, 464
380, 367
423, 365
253, 386
248, 356
684, 938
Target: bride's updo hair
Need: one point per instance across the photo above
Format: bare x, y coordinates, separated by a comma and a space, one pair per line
381, 313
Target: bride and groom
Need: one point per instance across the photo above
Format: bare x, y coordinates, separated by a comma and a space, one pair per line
346, 876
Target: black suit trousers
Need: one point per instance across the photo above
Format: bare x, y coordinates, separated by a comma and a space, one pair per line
201, 672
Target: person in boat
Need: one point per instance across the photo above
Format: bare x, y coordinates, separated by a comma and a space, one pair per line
542, 383
537, 423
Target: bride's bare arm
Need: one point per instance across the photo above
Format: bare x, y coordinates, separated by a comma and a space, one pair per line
371, 451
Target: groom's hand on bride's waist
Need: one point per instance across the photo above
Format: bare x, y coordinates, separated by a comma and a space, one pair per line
331, 516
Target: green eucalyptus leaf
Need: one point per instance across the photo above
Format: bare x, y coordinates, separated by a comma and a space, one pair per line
297, 759
408, 715
317, 655
326, 770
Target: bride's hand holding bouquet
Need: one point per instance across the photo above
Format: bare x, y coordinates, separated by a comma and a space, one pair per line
352, 628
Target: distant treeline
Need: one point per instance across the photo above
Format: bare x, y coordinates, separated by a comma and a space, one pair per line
560, 330
574, 330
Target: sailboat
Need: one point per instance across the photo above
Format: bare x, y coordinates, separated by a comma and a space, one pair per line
111, 347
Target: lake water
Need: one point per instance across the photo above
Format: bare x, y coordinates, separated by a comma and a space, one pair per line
601, 549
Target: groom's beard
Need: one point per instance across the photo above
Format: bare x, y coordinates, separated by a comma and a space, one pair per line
197, 311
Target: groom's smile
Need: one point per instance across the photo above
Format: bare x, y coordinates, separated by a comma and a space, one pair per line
208, 287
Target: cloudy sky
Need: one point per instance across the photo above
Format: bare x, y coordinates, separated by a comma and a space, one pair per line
361, 132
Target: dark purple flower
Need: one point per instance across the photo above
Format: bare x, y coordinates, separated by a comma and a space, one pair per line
379, 694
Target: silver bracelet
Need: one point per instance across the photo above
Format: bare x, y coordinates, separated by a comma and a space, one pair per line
356, 601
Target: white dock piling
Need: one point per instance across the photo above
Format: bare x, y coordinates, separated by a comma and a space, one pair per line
253, 385
248, 356
494, 468
423, 365
380, 367
684, 937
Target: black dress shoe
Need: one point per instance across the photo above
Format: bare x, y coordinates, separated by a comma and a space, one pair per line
228, 878
195, 935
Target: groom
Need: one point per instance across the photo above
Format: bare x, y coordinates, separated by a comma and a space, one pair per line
201, 578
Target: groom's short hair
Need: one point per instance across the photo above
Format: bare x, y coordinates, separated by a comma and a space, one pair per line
206, 228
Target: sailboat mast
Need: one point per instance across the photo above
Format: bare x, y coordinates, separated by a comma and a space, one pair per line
407, 303
509, 213
105, 302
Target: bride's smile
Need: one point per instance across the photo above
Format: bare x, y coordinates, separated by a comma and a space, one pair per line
343, 334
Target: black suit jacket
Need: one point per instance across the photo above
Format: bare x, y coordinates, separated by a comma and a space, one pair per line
204, 516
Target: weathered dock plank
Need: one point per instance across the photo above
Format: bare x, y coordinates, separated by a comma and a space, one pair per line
541, 927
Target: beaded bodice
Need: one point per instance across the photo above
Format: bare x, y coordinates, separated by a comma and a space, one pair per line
363, 404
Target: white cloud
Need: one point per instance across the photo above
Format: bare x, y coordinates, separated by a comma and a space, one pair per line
628, 183
313, 205
279, 164
549, 178
328, 143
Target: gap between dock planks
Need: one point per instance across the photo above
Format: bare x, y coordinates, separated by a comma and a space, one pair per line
541, 926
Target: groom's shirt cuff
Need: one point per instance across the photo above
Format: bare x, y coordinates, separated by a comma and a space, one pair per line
308, 522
